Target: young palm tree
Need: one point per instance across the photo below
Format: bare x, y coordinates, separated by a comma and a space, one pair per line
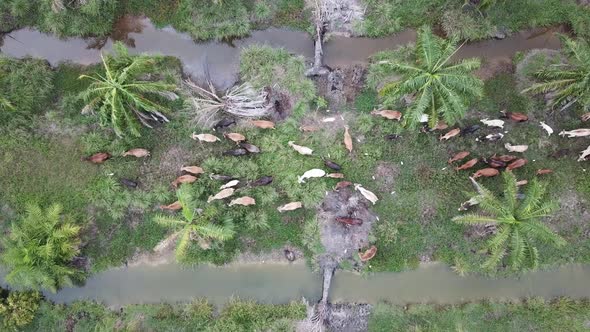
122, 98
442, 88
196, 223
518, 223
567, 80
40, 249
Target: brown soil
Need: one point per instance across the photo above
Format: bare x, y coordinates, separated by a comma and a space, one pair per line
349, 317
494, 67
574, 213
341, 85
343, 242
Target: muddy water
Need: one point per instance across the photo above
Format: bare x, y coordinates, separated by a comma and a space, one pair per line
274, 283
221, 60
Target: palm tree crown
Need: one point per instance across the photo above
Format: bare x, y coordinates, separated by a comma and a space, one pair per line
198, 224
40, 249
122, 98
569, 81
518, 223
442, 88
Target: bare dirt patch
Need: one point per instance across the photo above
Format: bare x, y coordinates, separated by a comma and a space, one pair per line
349, 317
574, 213
494, 67
341, 85
343, 242
385, 174
276, 256
170, 162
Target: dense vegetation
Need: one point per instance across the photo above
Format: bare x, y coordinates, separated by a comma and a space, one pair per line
199, 315
202, 19
531, 315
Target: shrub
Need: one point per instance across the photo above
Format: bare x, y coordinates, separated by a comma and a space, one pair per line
19, 308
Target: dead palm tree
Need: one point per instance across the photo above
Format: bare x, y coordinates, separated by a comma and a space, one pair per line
517, 221
122, 97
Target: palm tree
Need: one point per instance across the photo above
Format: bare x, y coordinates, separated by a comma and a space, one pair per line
569, 81
442, 88
122, 98
197, 223
518, 223
40, 249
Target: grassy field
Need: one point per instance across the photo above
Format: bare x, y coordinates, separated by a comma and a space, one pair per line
384, 17
199, 315
531, 315
419, 192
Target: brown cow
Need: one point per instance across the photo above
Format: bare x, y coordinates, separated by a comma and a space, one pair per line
516, 164
486, 172
467, 165
98, 158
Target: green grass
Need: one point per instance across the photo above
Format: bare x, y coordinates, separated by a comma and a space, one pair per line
384, 17
199, 315
531, 315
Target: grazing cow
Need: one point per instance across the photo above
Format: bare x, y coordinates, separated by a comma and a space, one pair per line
235, 152
388, 114
544, 171
290, 206
250, 147
367, 255
452, 133
244, 201
370, 196
221, 195
263, 181
516, 148
98, 158
469, 130
342, 184
518, 117
195, 170
312, 173
332, 165
236, 137
304, 150
205, 138
467, 165
575, 133
187, 178
224, 123
518, 163
486, 172
263, 124
138, 153
493, 123
347, 139
459, 156
172, 207
584, 154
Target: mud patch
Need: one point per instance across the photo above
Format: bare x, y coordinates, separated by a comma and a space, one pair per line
494, 67
163, 253
276, 256
342, 16
341, 85
343, 242
349, 317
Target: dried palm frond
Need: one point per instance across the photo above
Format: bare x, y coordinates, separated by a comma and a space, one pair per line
241, 100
